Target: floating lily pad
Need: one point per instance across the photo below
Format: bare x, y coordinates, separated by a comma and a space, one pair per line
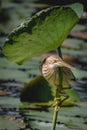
73, 44
6, 74
80, 73
9, 123
79, 27
69, 118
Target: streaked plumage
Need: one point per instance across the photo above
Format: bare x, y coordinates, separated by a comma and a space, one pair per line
50, 70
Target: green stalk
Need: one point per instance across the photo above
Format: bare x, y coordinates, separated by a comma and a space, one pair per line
60, 71
58, 104
55, 117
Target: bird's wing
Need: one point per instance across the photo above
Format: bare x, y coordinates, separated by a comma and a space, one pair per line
68, 73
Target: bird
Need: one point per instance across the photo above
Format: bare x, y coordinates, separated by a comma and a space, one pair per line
50, 70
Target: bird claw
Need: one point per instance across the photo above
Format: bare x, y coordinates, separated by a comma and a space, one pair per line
56, 102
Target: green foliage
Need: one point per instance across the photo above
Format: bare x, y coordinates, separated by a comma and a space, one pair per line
43, 32
39, 91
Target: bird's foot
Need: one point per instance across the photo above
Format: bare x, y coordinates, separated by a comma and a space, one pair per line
56, 102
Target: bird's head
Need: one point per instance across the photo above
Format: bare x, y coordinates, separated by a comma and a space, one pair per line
54, 61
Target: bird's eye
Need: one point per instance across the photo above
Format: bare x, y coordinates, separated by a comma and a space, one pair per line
55, 61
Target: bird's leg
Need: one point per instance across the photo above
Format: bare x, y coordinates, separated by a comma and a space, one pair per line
57, 99
66, 96
69, 87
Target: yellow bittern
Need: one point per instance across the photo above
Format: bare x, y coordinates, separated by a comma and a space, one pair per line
50, 71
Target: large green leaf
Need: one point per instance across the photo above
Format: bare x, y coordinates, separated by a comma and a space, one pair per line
37, 90
43, 32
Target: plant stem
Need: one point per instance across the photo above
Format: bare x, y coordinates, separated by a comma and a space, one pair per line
55, 117
59, 51
58, 104
60, 71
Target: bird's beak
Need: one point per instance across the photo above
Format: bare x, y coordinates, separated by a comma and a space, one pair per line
61, 63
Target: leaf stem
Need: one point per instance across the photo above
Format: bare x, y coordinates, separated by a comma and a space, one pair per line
55, 117
58, 90
60, 71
